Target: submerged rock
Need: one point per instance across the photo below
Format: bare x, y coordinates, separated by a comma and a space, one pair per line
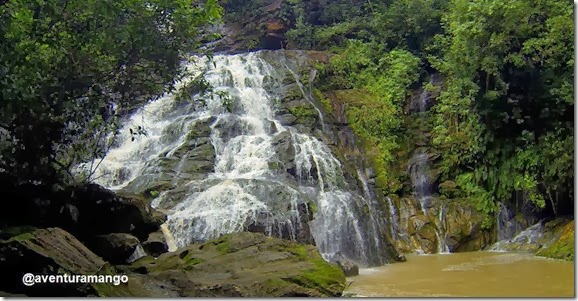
348, 267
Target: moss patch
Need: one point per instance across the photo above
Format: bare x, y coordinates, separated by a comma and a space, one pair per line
562, 248
321, 277
304, 112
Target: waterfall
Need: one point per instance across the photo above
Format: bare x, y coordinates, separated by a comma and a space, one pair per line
528, 236
394, 218
308, 96
231, 166
418, 170
506, 223
442, 245
511, 231
420, 180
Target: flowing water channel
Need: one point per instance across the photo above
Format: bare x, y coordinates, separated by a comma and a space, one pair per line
470, 274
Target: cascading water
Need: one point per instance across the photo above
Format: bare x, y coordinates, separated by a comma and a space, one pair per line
506, 223
418, 171
394, 220
308, 96
138, 253
528, 236
511, 231
442, 246
420, 180
263, 177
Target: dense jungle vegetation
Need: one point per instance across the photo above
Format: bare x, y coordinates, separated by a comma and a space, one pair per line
503, 122
70, 68
502, 125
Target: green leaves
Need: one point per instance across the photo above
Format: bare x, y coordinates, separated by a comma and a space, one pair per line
62, 62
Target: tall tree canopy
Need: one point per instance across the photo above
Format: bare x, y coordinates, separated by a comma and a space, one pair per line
69, 67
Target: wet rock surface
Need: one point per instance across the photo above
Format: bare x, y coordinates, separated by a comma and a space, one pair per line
235, 265
245, 265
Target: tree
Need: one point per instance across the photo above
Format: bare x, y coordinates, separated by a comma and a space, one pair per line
70, 68
507, 108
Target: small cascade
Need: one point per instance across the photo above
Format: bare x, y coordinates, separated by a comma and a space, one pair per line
418, 170
138, 253
308, 96
421, 186
442, 245
394, 218
507, 224
171, 244
526, 238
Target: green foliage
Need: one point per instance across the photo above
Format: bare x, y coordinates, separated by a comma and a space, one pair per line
304, 112
71, 69
383, 80
483, 200
503, 120
502, 102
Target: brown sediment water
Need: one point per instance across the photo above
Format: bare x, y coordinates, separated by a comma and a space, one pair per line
471, 274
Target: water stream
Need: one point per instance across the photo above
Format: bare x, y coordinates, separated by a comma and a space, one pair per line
418, 169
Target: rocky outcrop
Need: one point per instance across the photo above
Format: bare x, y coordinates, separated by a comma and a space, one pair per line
156, 244
115, 248
84, 210
453, 223
561, 240
245, 265
47, 251
242, 264
463, 228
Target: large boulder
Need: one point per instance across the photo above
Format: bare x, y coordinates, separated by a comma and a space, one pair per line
245, 265
47, 252
463, 228
101, 211
561, 243
156, 244
116, 248
53, 251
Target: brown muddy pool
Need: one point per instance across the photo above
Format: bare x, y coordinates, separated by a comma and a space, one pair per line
471, 274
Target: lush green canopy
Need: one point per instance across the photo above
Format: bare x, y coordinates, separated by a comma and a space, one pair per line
503, 122
69, 68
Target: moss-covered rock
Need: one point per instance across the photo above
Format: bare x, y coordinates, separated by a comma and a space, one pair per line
463, 227
46, 251
246, 264
562, 247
